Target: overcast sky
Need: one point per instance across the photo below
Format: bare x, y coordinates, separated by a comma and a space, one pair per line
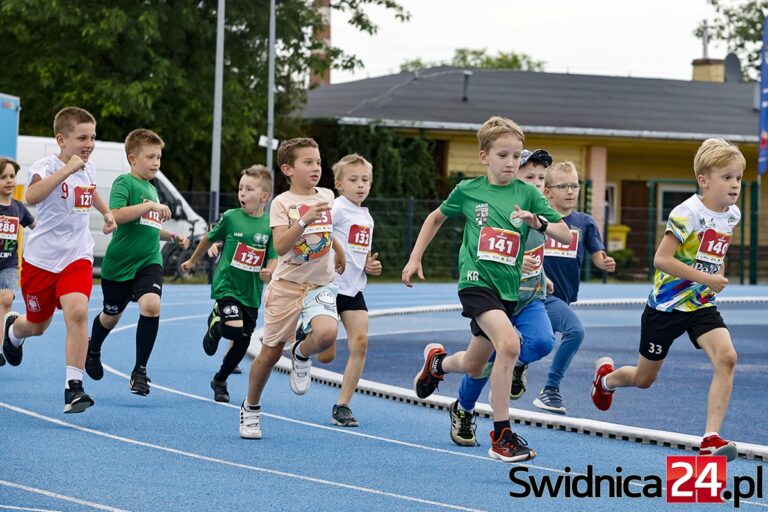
646, 38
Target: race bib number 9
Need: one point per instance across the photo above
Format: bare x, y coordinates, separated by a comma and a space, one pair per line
321, 225
499, 245
151, 219
554, 248
537, 254
713, 246
9, 228
84, 199
247, 258
359, 238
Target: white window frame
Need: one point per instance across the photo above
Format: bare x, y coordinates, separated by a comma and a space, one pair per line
664, 188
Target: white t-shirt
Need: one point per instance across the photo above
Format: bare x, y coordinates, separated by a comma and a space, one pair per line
353, 227
62, 235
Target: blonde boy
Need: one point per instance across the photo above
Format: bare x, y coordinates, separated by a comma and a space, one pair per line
301, 287
499, 210
56, 270
689, 272
353, 227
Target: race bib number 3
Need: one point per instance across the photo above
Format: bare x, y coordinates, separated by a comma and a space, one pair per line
9, 228
321, 225
499, 245
554, 248
713, 246
359, 238
84, 199
538, 256
247, 258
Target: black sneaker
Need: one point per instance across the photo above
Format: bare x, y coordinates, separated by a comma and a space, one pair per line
462, 426
12, 354
93, 366
426, 381
342, 416
212, 338
510, 447
220, 393
75, 399
139, 382
519, 380
2, 359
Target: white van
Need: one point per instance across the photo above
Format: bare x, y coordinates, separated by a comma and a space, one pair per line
110, 161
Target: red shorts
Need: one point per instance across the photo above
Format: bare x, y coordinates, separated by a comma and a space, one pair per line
42, 289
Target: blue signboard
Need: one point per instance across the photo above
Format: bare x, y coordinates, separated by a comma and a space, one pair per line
9, 124
762, 154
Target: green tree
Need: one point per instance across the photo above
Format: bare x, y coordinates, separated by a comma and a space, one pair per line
473, 58
151, 64
740, 26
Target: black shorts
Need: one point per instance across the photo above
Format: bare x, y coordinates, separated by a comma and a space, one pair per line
347, 303
658, 329
117, 294
476, 300
232, 309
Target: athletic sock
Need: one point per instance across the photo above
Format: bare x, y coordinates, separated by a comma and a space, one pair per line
233, 357
146, 333
499, 426
297, 352
708, 434
15, 341
73, 373
605, 385
251, 407
98, 335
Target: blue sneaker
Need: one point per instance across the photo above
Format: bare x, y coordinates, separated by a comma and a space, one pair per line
550, 400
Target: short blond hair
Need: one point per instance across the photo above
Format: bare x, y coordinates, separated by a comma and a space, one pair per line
353, 159
139, 138
286, 153
563, 167
261, 174
495, 128
68, 118
715, 154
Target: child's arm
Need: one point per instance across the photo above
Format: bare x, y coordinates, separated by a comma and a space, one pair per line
665, 261
199, 251
339, 258
373, 265
285, 237
130, 213
557, 230
40, 188
428, 231
169, 236
109, 220
604, 262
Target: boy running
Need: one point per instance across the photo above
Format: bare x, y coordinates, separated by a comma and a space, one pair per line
132, 270
238, 278
689, 272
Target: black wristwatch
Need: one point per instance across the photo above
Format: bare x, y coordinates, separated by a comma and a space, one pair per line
544, 224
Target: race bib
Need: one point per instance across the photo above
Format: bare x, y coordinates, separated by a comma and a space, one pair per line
247, 258
151, 219
359, 238
713, 246
554, 248
9, 228
499, 245
321, 225
84, 199
537, 254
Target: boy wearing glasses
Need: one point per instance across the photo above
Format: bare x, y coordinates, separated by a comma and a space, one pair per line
562, 265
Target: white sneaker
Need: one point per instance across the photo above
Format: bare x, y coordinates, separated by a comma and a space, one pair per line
250, 422
301, 376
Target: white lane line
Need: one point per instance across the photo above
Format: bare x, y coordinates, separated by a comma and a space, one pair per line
50, 494
11, 507
215, 460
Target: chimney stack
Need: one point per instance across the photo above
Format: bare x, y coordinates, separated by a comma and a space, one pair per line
706, 69
323, 34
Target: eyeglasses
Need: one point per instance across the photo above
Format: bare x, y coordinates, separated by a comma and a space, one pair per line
567, 186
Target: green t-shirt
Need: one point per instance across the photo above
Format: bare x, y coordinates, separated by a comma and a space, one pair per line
135, 244
533, 284
491, 252
247, 248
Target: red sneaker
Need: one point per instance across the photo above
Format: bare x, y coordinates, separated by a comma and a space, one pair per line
510, 447
716, 445
426, 381
601, 396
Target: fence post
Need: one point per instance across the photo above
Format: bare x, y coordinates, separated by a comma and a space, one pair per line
753, 230
742, 248
651, 226
408, 228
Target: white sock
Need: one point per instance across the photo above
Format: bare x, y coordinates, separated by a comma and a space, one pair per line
16, 342
462, 408
73, 374
707, 434
299, 352
249, 406
605, 384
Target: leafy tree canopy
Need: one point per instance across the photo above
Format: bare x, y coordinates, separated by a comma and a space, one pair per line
469, 58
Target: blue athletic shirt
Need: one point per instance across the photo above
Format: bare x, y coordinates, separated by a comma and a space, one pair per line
562, 262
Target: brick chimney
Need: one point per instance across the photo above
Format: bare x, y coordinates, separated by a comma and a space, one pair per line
706, 69
322, 34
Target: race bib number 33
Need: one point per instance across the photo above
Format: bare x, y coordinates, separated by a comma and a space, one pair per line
247, 258
499, 245
84, 199
9, 228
